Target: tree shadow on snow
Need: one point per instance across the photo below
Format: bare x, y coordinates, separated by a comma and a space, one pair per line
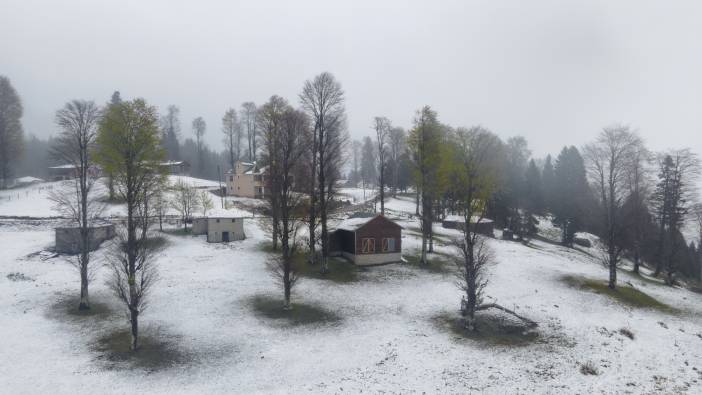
65, 309
623, 294
158, 350
271, 309
491, 329
107, 334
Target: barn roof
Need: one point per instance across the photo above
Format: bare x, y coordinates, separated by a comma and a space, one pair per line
353, 224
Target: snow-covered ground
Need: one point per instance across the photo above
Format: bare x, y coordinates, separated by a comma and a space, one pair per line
388, 339
34, 200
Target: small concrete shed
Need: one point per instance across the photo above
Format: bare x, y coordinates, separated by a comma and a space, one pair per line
68, 237
221, 225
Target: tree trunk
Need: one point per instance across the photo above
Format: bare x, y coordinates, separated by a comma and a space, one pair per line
382, 191
612, 273
134, 319
84, 300
321, 185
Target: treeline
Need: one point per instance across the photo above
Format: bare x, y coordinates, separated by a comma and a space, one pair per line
638, 202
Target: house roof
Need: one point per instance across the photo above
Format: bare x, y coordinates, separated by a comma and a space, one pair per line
473, 219
172, 163
63, 167
226, 213
353, 224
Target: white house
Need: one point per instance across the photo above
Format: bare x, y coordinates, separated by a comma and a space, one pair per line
221, 225
247, 180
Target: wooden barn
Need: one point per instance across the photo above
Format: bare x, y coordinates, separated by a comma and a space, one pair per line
367, 241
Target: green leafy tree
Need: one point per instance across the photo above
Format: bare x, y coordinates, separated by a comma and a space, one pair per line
129, 148
425, 141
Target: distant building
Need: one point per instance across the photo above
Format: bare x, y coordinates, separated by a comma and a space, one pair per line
62, 172
247, 180
176, 168
221, 225
69, 172
367, 241
483, 226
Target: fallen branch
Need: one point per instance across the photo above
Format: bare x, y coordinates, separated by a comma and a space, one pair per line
529, 322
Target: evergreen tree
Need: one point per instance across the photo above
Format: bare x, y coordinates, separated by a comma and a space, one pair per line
170, 128
547, 183
533, 197
570, 193
11, 139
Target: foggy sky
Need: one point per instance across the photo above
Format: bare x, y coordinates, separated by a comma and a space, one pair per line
555, 72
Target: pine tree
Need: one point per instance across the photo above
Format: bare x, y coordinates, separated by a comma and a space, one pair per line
570, 191
11, 134
547, 183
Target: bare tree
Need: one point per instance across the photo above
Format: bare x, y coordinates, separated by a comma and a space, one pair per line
382, 127
397, 144
205, 201
232, 136
355, 162
323, 100
609, 159
638, 188
185, 201
249, 123
133, 274
11, 140
199, 128
270, 121
475, 172
74, 146
160, 207
284, 147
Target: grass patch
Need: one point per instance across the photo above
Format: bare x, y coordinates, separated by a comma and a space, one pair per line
492, 329
340, 270
271, 308
416, 231
438, 262
589, 369
624, 294
157, 351
179, 231
65, 308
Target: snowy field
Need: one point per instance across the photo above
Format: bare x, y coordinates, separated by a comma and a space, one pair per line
34, 200
386, 337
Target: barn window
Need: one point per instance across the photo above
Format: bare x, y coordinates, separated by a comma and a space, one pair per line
368, 246
217, 220
388, 244
233, 219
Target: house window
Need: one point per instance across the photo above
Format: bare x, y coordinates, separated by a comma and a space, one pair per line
368, 246
233, 219
217, 220
231, 178
389, 244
